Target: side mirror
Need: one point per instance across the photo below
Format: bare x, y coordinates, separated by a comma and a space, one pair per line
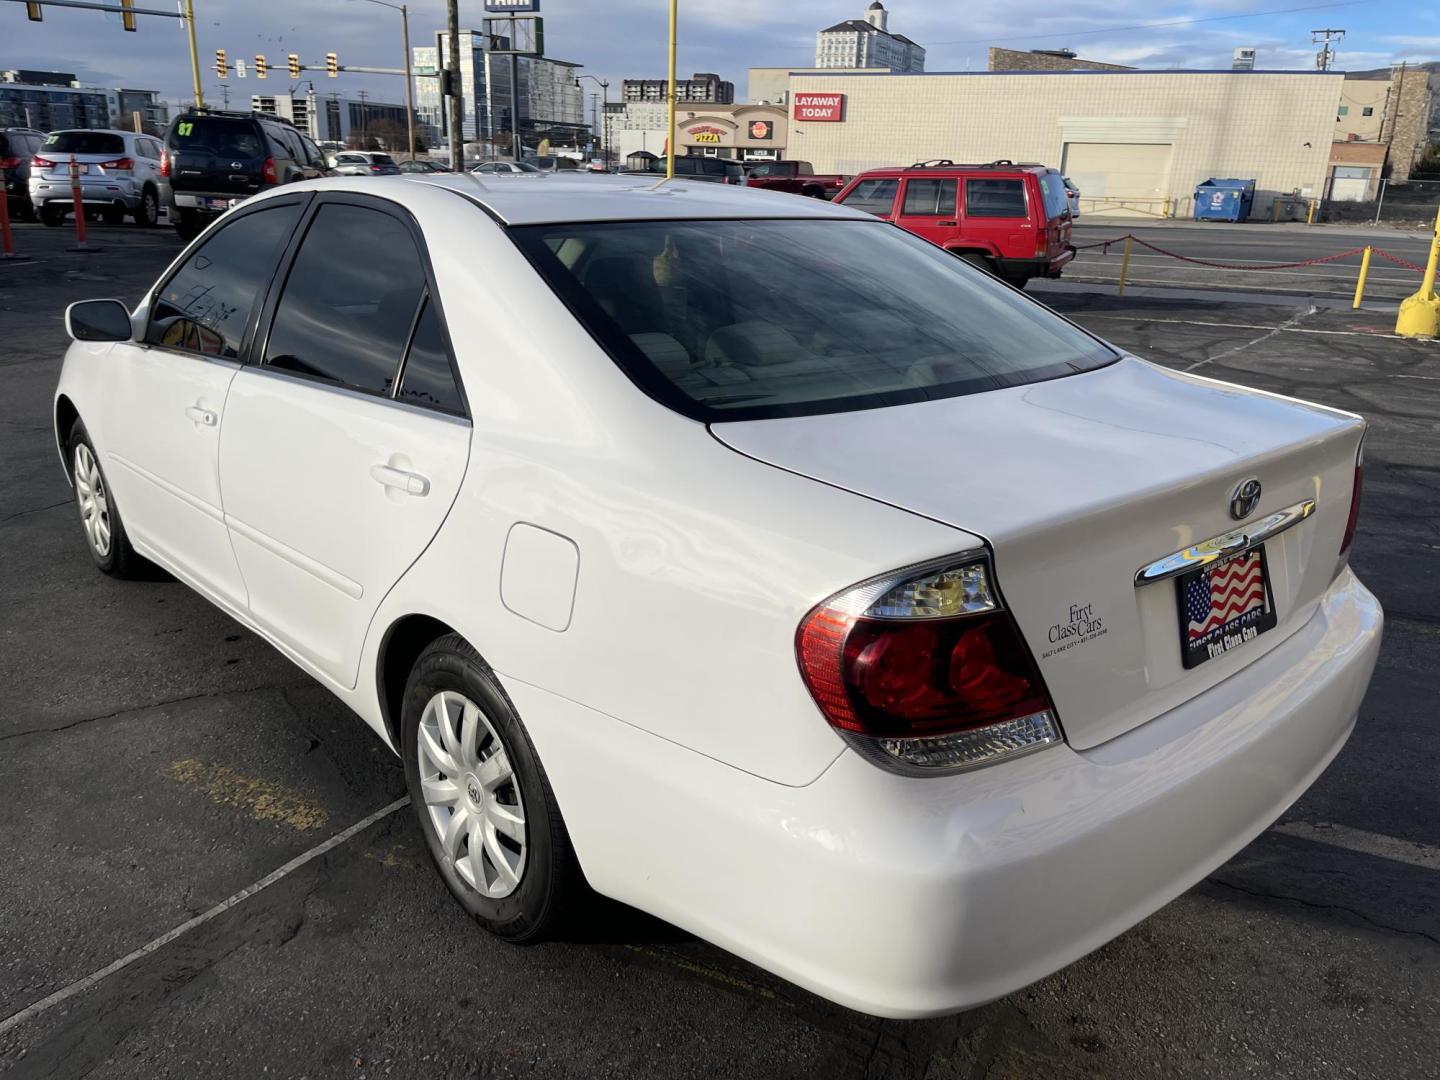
98, 320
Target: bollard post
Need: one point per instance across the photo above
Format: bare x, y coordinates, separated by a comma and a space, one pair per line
77, 200
1420, 314
1360, 281
7, 242
1310, 214
1124, 265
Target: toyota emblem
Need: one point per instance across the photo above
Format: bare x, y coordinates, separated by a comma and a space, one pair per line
1244, 499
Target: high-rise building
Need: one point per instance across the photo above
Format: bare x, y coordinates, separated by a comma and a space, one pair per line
546, 98
703, 86
868, 43
331, 118
51, 100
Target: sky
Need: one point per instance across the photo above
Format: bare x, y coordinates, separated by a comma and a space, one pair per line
617, 39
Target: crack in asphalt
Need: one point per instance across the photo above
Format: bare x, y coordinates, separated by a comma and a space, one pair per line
874, 1048
1288, 324
1263, 895
33, 510
142, 708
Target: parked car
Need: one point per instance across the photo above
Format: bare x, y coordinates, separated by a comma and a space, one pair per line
119, 175
363, 163
505, 168
18, 146
423, 165
694, 167
550, 163
1013, 220
1072, 198
980, 641
796, 177
214, 160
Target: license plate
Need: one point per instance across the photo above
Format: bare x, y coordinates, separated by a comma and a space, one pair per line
1224, 605
217, 204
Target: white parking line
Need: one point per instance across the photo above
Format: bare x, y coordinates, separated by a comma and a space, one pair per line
1255, 326
1409, 852
81, 985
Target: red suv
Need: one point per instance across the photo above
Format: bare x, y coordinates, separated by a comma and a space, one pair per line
1013, 220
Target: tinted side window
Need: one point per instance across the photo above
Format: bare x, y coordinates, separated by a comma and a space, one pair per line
929, 198
428, 378
804, 168
873, 196
206, 305
349, 301
995, 198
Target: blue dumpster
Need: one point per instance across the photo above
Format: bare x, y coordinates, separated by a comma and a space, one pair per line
1224, 200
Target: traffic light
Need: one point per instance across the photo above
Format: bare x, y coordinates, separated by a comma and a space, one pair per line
127, 15
332, 65
34, 13
222, 68
260, 66
293, 62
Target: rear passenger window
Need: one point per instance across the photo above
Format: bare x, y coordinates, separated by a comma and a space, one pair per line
873, 196
995, 198
207, 303
427, 378
350, 300
929, 198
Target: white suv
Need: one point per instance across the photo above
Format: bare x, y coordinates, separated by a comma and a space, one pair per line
119, 175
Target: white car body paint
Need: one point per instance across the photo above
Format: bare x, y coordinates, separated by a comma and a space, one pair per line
697, 777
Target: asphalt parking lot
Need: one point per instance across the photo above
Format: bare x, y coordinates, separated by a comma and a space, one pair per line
155, 758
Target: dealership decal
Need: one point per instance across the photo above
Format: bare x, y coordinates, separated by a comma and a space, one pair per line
1082, 625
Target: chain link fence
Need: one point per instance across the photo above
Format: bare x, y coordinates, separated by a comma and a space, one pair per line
1402, 203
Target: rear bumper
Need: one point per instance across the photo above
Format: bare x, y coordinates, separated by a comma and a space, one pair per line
101, 192
918, 897
1033, 268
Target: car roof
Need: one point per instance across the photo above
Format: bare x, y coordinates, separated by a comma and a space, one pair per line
547, 198
93, 131
925, 168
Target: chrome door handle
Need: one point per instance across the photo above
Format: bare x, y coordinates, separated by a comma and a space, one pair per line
408, 482
201, 416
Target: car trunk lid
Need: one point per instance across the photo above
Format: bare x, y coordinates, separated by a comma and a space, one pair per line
216, 154
1079, 482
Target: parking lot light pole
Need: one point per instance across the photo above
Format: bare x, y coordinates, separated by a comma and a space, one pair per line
409, 79
670, 127
605, 93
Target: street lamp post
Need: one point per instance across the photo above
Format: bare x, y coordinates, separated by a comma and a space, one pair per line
605, 93
409, 79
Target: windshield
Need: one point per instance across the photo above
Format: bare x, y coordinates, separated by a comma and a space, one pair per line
743, 320
84, 142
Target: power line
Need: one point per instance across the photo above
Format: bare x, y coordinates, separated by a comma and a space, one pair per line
1150, 25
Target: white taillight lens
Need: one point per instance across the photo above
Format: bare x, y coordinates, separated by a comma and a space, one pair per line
923, 670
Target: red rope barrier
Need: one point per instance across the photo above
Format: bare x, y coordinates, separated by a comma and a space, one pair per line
1106, 245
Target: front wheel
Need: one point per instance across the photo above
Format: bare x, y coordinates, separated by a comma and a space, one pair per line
104, 531
485, 806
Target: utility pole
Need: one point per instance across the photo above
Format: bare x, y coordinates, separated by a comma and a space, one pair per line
194, 53
1326, 56
457, 106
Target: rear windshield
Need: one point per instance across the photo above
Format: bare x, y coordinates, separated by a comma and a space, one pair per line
84, 142
382, 159
217, 135
744, 320
1052, 191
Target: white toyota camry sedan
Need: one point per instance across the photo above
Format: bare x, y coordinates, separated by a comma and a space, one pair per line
742, 558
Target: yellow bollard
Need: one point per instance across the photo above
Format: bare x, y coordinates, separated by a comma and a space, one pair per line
1360, 282
1124, 265
1310, 215
1420, 314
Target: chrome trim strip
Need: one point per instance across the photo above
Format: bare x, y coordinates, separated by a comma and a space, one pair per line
1225, 545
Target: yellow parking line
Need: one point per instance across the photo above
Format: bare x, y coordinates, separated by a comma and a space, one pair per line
263, 800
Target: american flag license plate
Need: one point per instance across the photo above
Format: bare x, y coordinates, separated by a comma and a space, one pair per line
1223, 606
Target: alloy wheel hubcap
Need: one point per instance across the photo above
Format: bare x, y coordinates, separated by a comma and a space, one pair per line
472, 795
94, 503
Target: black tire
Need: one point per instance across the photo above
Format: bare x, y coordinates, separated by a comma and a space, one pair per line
114, 214
188, 224
147, 214
52, 215
974, 258
550, 879
121, 560
814, 191
1019, 281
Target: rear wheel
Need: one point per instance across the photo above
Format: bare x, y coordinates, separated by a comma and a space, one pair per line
100, 518
974, 258
484, 802
147, 214
52, 215
188, 225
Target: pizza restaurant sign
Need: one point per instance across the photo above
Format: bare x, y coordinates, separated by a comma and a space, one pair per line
819, 107
706, 134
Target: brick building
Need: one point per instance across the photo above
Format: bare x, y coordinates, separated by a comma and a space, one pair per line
1045, 60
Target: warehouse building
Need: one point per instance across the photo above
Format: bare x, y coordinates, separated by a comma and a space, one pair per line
1135, 142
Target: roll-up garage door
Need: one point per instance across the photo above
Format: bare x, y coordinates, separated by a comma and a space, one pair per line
1118, 171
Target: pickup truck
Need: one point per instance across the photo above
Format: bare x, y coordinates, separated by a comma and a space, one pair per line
796, 177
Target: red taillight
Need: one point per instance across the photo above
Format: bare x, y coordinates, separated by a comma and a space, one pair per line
39, 162
1354, 518
925, 670
9, 162
375, 168
267, 171
120, 164
165, 161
